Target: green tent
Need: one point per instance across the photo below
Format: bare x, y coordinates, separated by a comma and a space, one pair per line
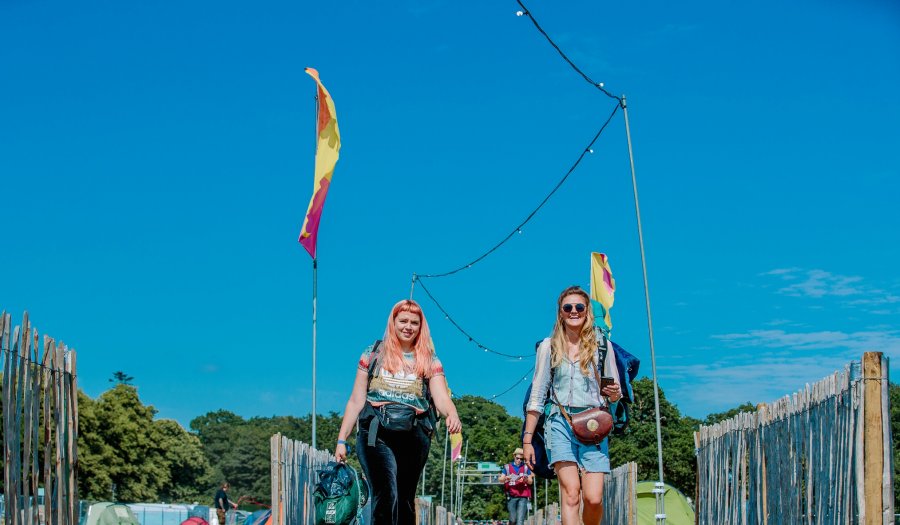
678, 509
107, 513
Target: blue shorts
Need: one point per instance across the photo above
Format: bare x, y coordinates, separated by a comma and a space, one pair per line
562, 445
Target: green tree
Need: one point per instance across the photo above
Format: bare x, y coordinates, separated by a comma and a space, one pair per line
125, 455
189, 470
121, 378
714, 418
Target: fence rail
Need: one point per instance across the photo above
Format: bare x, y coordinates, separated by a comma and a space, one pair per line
820, 456
40, 424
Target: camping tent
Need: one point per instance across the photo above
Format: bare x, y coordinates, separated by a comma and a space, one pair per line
260, 517
199, 511
678, 509
107, 513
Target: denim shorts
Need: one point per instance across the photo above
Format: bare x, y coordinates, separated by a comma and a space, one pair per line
562, 445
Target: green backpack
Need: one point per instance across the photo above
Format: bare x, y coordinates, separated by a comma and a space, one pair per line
340, 495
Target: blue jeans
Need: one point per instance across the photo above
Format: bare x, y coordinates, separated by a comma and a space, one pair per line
393, 467
518, 510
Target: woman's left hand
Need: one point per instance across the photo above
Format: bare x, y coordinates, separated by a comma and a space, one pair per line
454, 425
613, 392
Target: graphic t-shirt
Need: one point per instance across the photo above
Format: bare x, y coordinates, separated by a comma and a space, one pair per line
403, 386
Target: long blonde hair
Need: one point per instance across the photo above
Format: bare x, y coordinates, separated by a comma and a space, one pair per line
392, 353
559, 342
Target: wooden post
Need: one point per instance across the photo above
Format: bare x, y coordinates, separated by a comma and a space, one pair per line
762, 411
873, 438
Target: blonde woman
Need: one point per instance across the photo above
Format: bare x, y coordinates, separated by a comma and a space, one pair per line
390, 402
565, 364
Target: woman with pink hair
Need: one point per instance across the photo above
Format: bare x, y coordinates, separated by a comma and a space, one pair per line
390, 403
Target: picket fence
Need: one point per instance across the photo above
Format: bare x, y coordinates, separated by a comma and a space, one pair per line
822, 455
40, 422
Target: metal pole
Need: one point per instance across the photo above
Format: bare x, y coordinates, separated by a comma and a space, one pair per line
315, 282
444, 470
315, 291
452, 491
412, 287
546, 492
660, 503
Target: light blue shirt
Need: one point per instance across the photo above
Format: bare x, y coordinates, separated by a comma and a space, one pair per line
570, 386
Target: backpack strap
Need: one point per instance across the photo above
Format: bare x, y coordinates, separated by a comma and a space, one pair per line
376, 350
602, 350
374, 421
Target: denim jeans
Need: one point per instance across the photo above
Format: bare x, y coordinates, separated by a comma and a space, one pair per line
393, 467
518, 510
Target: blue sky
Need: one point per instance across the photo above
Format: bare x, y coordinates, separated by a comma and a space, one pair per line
157, 162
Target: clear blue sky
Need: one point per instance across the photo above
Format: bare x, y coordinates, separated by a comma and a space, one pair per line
156, 161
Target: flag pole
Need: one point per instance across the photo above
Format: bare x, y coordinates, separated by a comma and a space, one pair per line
315, 291
315, 272
412, 287
444, 468
659, 488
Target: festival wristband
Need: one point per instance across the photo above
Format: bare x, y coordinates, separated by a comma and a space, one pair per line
341, 442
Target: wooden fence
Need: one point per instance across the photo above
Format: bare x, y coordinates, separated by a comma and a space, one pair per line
548, 515
820, 456
40, 427
620, 496
619, 500
294, 466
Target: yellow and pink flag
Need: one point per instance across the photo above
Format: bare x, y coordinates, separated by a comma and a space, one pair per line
455, 446
603, 286
327, 153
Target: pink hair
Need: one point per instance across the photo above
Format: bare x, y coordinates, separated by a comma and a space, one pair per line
392, 353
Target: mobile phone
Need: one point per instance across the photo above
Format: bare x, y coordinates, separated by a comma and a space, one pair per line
606, 381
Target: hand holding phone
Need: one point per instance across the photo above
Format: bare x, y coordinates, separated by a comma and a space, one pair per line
606, 381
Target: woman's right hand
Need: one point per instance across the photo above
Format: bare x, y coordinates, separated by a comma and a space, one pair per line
529, 455
340, 453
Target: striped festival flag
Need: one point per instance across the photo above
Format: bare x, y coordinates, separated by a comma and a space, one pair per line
455, 446
327, 148
603, 286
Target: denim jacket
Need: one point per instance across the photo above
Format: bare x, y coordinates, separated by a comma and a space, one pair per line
570, 386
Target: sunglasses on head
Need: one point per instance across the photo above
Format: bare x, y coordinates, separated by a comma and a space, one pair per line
579, 307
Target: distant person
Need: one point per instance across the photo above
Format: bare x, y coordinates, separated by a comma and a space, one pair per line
566, 364
390, 402
517, 481
223, 504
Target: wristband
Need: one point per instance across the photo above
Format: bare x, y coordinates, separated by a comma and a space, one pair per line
341, 442
526, 432
526, 442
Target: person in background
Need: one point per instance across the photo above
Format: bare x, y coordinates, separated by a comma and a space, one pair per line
517, 481
223, 504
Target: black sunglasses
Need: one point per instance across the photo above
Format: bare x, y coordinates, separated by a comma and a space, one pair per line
579, 307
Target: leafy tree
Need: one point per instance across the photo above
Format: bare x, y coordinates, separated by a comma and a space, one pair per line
120, 445
121, 378
712, 419
189, 470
